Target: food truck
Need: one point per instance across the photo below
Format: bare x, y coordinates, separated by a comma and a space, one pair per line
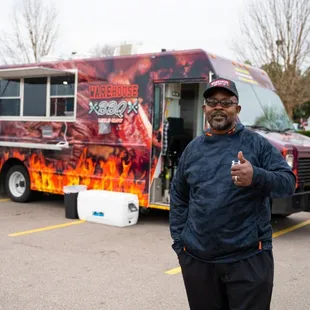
121, 123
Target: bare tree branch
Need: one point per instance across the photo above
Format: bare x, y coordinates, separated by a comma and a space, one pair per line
275, 34
34, 32
103, 50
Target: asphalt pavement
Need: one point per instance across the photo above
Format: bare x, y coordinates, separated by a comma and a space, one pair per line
50, 262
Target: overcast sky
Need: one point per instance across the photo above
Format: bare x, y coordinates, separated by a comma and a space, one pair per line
171, 24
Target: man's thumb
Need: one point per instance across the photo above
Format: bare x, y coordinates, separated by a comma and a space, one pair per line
241, 158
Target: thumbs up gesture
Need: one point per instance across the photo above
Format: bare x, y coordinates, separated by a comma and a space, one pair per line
242, 173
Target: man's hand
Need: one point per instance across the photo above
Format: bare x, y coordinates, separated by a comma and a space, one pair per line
242, 173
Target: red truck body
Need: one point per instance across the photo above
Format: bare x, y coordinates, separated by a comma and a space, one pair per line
101, 122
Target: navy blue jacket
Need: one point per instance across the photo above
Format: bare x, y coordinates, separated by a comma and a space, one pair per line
212, 218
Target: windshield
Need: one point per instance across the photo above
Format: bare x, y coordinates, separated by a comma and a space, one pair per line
262, 107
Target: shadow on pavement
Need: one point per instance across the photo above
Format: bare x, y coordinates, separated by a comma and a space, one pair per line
152, 216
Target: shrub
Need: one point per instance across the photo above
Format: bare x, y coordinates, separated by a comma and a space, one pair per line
304, 132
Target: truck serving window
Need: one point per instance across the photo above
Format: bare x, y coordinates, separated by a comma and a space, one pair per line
39, 95
9, 97
62, 96
35, 96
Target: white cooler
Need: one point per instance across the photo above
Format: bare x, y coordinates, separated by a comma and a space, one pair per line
107, 207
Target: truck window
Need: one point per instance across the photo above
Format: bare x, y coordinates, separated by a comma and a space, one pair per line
261, 107
62, 96
250, 106
35, 96
40, 97
9, 97
273, 108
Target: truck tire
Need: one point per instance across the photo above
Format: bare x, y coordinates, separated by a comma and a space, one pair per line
17, 184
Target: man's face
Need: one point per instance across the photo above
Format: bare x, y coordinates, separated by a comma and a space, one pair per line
222, 119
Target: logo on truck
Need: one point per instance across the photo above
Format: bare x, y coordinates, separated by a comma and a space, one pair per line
111, 102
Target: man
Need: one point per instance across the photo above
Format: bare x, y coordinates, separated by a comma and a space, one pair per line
220, 213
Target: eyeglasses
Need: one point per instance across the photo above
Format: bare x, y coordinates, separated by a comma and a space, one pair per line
211, 102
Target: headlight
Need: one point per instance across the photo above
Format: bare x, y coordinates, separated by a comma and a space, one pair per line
290, 160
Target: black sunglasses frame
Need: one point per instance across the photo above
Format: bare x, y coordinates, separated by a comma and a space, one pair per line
226, 103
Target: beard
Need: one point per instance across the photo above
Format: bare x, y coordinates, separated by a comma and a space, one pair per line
220, 121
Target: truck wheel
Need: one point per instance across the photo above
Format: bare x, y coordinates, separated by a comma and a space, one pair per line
17, 184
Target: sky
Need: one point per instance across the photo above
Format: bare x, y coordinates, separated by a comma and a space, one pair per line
170, 24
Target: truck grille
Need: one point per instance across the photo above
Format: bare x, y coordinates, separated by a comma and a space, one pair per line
304, 171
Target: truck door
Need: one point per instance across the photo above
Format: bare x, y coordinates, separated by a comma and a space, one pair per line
157, 130
158, 143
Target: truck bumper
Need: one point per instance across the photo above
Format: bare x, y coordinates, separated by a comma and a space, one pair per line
299, 202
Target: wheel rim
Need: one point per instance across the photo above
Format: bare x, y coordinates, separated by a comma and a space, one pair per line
17, 184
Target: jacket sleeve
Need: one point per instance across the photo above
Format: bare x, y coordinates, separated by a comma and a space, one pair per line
179, 199
275, 178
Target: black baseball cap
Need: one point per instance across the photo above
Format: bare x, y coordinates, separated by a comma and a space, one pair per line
221, 83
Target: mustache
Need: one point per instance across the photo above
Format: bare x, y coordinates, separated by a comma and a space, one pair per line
218, 113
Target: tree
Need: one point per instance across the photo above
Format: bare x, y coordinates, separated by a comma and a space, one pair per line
103, 50
302, 111
276, 36
247, 62
34, 33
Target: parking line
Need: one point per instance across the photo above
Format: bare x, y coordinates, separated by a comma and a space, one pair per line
289, 229
173, 271
274, 235
5, 199
45, 228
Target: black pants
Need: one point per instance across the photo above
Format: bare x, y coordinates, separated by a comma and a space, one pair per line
242, 285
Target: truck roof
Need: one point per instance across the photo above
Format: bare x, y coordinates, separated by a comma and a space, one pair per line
221, 66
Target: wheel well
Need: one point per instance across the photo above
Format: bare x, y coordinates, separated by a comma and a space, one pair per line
5, 168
